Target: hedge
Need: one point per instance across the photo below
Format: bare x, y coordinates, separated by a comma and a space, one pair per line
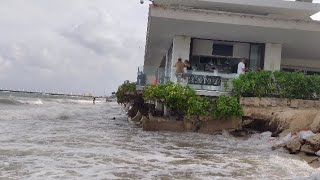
277, 84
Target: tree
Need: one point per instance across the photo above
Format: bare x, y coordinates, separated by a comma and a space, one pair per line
125, 92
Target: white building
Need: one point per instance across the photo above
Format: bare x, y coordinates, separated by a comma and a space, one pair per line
214, 34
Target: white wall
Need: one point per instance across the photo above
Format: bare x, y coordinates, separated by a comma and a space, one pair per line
272, 59
204, 47
181, 49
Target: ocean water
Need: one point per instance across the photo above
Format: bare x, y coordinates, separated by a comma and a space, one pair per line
47, 137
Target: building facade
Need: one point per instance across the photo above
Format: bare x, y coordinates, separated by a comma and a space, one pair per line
213, 35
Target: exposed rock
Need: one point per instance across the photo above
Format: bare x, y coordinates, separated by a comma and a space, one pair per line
278, 146
290, 115
307, 149
315, 126
314, 143
293, 146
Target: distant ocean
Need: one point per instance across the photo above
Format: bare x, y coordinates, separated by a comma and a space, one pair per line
56, 137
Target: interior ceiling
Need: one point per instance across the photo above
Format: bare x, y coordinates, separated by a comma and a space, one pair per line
296, 44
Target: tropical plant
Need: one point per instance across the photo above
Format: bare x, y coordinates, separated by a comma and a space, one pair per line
125, 92
184, 99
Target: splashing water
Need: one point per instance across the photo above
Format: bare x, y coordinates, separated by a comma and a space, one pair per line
63, 139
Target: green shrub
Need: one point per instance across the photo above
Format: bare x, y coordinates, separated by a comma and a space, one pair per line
315, 80
173, 95
199, 106
277, 84
227, 107
125, 91
185, 100
156, 92
259, 84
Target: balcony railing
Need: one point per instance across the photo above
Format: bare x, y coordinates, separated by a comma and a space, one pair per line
206, 81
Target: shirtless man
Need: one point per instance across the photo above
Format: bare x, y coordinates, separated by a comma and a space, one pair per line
179, 69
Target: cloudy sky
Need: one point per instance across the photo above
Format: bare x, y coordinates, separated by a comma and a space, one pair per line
77, 46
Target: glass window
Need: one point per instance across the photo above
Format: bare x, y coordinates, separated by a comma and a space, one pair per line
256, 57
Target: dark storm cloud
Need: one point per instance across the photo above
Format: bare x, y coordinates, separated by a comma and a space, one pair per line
74, 46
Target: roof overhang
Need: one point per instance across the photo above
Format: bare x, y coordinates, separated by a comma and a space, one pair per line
300, 38
272, 8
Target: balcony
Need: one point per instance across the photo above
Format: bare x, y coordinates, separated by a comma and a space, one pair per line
204, 83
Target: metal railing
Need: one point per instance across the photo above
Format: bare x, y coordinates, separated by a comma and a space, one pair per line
196, 80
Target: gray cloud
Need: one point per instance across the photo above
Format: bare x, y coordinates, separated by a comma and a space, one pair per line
75, 46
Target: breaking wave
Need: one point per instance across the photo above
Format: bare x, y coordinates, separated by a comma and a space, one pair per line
10, 102
20, 102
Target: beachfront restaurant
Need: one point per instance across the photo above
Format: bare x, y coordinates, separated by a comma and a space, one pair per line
215, 41
213, 63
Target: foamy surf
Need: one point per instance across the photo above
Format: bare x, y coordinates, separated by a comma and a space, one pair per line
60, 140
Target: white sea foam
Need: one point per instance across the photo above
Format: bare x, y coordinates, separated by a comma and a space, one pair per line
60, 140
33, 101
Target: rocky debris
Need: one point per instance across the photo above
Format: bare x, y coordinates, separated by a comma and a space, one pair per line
308, 159
314, 142
278, 146
315, 126
305, 143
305, 134
307, 149
293, 146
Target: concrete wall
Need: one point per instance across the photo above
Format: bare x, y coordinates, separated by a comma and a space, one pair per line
204, 47
209, 125
303, 64
181, 49
272, 59
277, 102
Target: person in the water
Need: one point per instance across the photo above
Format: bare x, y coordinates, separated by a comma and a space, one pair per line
94, 100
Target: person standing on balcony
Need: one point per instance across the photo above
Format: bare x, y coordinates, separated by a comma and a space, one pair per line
179, 69
188, 66
241, 67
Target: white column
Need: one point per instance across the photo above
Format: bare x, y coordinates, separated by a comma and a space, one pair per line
181, 49
272, 58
